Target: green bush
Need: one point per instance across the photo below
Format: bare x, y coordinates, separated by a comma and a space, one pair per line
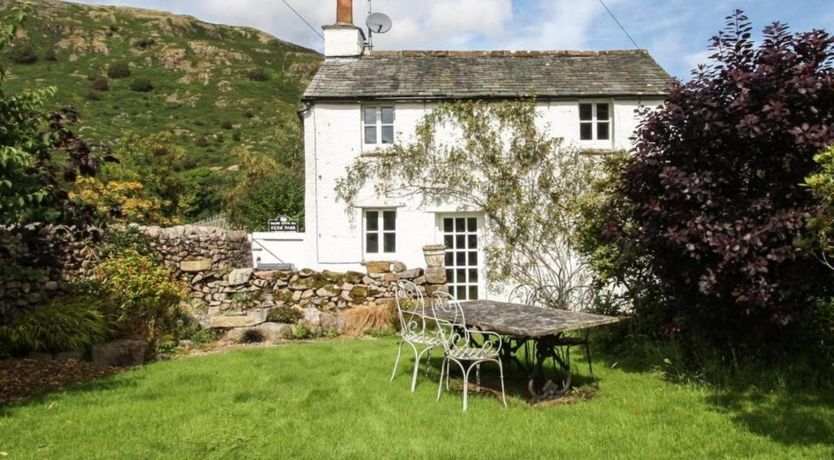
257, 75
249, 113
144, 295
142, 85
68, 323
49, 54
119, 69
236, 136
201, 141
23, 54
252, 336
92, 95
284, 314
101, 84
227, 124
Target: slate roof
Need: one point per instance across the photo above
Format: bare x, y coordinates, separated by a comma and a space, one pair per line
488, 74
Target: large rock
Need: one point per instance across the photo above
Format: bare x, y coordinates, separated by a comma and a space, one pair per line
251, 318
240, 276
411, 274
197, 265
120, 353
272, 332
312, 320
332, 323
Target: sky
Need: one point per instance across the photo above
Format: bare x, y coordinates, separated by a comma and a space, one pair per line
676, 32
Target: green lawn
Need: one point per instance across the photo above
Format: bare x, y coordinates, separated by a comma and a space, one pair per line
332, 399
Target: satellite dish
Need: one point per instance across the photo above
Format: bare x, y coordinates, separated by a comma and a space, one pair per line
378, 23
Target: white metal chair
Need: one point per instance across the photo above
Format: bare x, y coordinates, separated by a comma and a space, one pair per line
459, 347
411, 312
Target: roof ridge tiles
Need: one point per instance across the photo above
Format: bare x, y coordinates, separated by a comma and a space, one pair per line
506, 53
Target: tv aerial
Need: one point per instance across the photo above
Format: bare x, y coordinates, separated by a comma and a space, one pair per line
377, 23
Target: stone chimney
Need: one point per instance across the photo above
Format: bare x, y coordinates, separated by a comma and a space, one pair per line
343, 39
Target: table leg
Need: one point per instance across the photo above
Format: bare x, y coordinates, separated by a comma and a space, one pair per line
540, 387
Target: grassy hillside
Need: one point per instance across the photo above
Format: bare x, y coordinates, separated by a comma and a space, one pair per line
214, 87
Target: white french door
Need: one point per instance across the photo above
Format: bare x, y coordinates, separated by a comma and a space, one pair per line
461, 235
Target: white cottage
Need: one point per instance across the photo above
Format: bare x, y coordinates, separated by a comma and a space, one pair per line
361, 101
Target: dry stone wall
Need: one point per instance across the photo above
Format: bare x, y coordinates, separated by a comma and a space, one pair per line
39, 261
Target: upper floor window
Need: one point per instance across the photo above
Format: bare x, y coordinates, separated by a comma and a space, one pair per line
380, 231
378, 122
594, 121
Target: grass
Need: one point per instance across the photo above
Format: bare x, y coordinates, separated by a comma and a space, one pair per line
332, 399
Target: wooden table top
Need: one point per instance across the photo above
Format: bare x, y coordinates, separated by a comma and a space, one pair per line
522, 320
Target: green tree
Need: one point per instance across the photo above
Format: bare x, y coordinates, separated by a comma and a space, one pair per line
502, 163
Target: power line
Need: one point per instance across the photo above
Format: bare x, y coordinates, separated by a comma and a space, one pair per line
618, 23
303, 19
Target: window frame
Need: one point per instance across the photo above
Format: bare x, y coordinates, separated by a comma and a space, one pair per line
380, 231
595, 121
379, 125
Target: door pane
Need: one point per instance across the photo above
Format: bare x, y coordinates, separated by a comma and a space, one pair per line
450, 275
460, 242
461, 292
473, 275
449, 259
473, 292
472, 241
460, 277
448, 225
472, 224
389, 242
449, 241
460, 224
460, 258
473, 258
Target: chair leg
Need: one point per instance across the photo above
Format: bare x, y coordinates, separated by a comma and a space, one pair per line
428, 361
396, 362
588, 357
501, 375
466, 387
417, 358
478, 377
448, 373
443, 366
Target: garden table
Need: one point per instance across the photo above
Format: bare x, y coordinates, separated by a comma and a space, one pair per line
543, 328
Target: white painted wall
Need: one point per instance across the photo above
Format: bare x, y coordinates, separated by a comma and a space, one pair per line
333, 139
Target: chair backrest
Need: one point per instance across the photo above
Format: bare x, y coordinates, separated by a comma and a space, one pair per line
451, 323
411, 308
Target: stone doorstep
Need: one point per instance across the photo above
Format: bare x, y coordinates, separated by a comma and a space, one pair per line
248, 319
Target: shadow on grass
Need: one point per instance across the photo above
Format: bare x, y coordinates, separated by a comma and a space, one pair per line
124, 379
801, 418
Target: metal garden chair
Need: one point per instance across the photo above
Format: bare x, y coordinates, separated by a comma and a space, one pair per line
411, 312
459, 347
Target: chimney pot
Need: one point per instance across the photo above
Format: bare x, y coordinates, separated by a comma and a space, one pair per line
344, 12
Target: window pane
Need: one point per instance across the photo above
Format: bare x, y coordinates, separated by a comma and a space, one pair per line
460, 259
473, 241
389, 220
473, 275
461, 275
449, 275
449, 241
602, 131
388, 115
460, 242
585, 112
370, 115
461, 292
460, 224
448, 226
370, 134
602, 111
372, 242
585, 131
473, 292
371, 220
473, 258
389, 242
450, 259
387, 134
472, 224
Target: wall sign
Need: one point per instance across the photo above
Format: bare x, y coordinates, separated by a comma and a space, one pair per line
282, 224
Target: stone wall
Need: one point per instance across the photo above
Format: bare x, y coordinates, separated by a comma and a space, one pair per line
243, 297
52, 256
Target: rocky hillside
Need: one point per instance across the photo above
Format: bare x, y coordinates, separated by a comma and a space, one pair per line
214, 87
